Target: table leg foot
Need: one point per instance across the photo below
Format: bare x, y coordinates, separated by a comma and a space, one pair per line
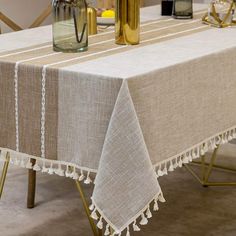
31, 187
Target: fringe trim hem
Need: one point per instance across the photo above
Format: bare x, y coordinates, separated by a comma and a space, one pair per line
51, 167
142, 217
162, 168
169, 165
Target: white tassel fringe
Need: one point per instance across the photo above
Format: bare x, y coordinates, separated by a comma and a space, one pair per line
195, 152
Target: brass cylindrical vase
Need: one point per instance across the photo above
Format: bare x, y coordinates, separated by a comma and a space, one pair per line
127, 23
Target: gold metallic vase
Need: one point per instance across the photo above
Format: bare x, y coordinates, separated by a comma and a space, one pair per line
127, 23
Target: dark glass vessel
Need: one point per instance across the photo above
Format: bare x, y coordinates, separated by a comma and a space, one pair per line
183, 9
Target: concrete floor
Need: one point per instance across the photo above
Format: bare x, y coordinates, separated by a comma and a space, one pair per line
190, 210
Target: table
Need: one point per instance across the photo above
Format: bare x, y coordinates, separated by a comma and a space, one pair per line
129, 114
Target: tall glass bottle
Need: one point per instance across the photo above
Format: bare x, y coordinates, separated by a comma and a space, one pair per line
183, 9
127, 22
70, 33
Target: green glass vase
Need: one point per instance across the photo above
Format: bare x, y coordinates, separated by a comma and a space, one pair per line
70, 33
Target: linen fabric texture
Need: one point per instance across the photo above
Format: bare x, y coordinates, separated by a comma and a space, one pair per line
122, 120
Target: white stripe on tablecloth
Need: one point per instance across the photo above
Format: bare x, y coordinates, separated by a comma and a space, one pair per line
16, 106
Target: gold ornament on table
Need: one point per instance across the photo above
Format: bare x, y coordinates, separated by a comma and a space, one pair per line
92, 20
221, 13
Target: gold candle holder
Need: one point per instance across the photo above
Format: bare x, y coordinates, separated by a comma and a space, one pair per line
127, 22
92, 21
220, 14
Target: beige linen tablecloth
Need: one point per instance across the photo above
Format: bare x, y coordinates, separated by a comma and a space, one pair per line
128, 114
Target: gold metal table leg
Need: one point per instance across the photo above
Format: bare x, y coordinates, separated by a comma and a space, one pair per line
203, 167
31, 187
192, 172
207, 170
99, 232
86, 207
4, 173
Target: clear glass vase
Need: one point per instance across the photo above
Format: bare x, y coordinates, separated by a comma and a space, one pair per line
70, 33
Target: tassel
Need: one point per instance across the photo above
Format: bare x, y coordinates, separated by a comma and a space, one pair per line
161, 198
234, 134
223, 139
155, 207
202, 152
100, 224
128, 233
16, 161
180, 162
171, 168
185, 159
107, 232
36, 167
81, 176
165, 172
22, 163
191, 156
218, 140
91, 207
67, 174
50, 170
94, 215
11, 161
213, 144
44, 169
198, 152
29, 165
144, 220
88, 180
159, 172
60, 171
135, 227
176, 164
206, 147
148, 213
75, 175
